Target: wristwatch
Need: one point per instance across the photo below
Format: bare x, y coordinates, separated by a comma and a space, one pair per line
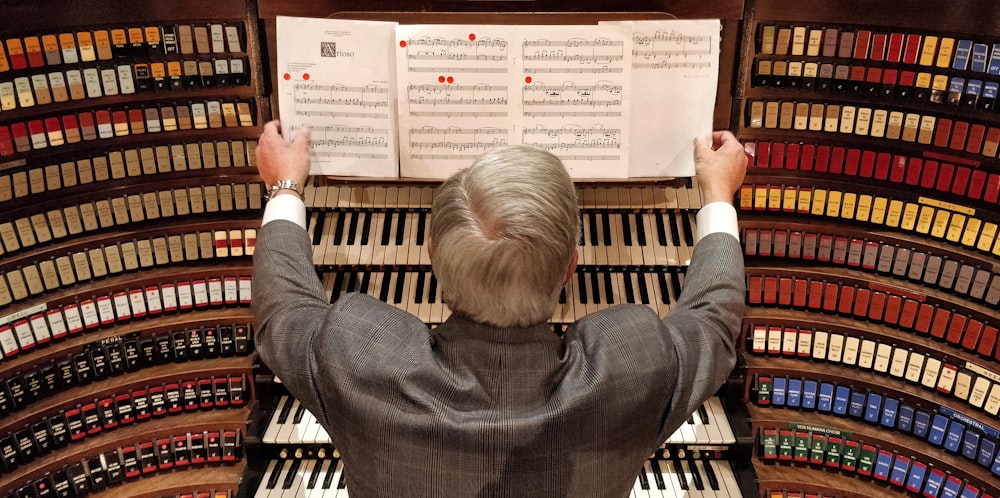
286, 185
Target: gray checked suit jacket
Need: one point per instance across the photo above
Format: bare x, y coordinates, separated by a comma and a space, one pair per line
467, 410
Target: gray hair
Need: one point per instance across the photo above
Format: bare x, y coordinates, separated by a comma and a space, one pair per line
503, 231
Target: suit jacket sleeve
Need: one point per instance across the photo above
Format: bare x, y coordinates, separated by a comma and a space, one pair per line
290, 307
705, 325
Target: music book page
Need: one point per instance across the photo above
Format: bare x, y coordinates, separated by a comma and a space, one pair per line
336, 76
675, 73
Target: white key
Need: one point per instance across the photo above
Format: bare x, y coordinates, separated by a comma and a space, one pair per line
722, 420
727, 479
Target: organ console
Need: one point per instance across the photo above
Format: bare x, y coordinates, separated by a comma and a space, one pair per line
129, 205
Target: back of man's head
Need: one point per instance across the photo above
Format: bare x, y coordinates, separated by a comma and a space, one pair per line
503, 232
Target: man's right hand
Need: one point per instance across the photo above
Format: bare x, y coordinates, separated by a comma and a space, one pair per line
278, 159
720, 167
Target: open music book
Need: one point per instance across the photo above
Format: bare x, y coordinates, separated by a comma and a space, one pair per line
615, 100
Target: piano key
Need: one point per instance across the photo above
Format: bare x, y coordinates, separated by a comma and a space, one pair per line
313, 484
721, 420
287, 424
657, 486
727, 479
617, 253
291, 478
640, 488
711, 481
271, 433
695, 479
268, 479
673, 480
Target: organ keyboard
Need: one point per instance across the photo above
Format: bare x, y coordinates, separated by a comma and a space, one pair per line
662, 476
292, 424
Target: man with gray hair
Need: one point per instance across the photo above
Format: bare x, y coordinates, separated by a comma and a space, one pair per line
492, 403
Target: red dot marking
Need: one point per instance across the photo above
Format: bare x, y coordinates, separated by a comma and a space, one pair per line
402, 43
305, 76
451, 80
440, 79
527, 79
287, 76
472, 37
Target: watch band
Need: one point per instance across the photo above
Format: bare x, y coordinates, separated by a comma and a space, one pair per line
286, 185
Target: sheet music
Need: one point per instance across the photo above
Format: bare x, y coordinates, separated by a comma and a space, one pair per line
466, 89
575, 96
337, 76
675, 73
455, 98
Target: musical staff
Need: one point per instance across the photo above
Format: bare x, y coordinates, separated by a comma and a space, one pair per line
468, 143
434, 95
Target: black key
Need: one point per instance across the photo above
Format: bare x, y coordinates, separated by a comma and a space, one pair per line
400, 281
366, 228
386, 227
606, 229
690, 419
609, 288
299, 413
432, 292
352, 229
679, 472
643, 291
675, 283
687, 226
629, 291
365, 282
421, 227
343, 481
328, 478
592, 218
314, 475
713, 480
318, 231
640, 229
338, 231
272, 481
562, 296
657, 476
352, 282
583, 239
661, 230
285, 410
418, 295
643, 480
664, 294
703, 413
383, 293
595, 288
338, 283
626, 230
582, 281
698, 482
401, 228
292, 474
674, 229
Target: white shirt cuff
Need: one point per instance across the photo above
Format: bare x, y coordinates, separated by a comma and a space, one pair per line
285, 207
717, 217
